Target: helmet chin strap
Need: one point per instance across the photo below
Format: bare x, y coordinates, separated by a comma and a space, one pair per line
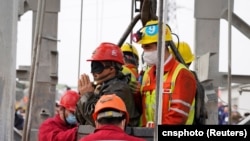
103, 78
106, 76
64, 116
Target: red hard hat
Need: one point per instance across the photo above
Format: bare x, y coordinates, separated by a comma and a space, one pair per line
69, 100
107, 52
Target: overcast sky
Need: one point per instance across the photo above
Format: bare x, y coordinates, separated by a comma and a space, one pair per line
106, 21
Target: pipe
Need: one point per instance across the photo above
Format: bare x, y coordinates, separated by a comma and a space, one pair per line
129, 29
159, 68
229, 58
80, 42
131, 18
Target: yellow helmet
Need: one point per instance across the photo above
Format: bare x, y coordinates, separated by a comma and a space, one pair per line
127, 47
185, 52
149, 33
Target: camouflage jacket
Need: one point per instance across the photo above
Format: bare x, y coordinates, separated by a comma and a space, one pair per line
118, 85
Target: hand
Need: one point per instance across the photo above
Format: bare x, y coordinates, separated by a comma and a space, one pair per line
84, 84
134, 86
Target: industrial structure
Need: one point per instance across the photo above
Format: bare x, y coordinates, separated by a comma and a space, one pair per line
42, 75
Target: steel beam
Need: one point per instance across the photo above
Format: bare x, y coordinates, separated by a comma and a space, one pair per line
43, 101
237, 22
8, 42
207, 37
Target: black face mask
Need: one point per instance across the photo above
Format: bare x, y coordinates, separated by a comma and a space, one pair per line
97, 67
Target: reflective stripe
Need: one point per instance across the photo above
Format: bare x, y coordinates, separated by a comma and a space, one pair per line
127, 70
167, 91
179, 111
181, 101
191, 114
191, 107
148, 92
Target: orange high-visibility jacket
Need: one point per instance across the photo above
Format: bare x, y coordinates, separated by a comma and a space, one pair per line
129, 68
177, 102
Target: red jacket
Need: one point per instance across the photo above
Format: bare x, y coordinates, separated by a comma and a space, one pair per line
55, 129
110, 132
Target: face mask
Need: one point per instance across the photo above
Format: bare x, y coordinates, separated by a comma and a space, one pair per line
150, 57
18, 112
71, 119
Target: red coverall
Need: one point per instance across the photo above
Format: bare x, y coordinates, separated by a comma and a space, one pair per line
175, 105
55, 129
110, 132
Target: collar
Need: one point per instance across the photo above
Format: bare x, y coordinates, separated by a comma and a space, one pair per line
61, 121
129, 65
168, 64
109, 127
168, 59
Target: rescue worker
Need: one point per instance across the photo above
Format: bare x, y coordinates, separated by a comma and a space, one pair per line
106, 68
63, 126
179, 84
131, 60
185, 52
19, 119
110, 117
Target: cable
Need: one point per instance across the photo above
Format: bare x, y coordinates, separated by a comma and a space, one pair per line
178, 39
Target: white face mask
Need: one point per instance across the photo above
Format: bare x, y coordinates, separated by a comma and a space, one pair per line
150, 57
